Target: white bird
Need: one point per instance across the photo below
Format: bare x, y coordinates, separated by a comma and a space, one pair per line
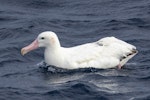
108, 52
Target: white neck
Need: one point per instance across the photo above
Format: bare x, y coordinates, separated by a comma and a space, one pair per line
55, 43
53, 56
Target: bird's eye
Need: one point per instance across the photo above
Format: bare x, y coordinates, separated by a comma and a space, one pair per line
42, 38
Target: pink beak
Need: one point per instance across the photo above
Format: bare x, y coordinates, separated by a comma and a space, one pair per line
32, 46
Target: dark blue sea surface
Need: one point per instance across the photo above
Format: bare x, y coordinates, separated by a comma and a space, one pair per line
75, 22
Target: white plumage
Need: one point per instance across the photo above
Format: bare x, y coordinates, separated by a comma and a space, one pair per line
105, 53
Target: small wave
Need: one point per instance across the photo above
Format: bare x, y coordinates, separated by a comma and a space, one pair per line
11, 74
42, 4
144, 97
132, 64
76, 92
53, 69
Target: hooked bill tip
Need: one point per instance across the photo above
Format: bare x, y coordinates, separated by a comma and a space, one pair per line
23, 52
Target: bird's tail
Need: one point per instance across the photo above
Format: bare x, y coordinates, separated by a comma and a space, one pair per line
125, 60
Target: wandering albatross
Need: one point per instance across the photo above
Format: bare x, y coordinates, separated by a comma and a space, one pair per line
108, 52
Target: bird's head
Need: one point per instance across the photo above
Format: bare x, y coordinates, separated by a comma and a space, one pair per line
46, 39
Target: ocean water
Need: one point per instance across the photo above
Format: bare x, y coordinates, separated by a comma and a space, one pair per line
75, 22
